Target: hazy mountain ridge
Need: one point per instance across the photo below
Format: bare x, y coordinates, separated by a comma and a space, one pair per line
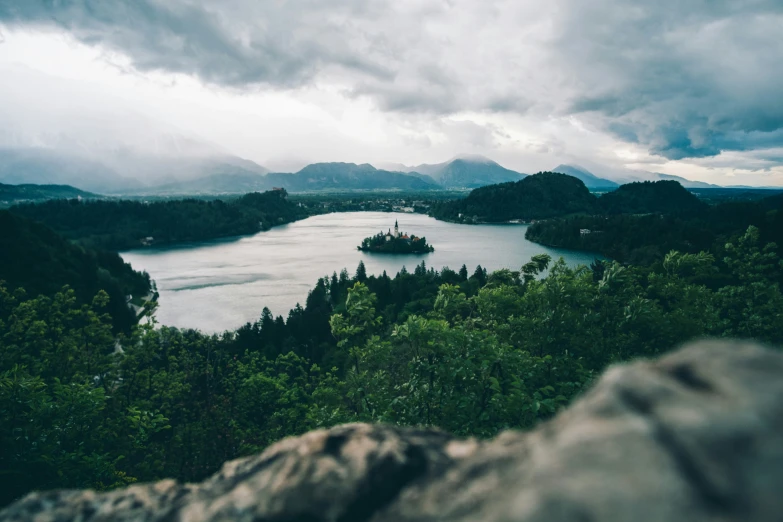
98, 142
314, 177
130, 171
613, 179
634, 176
51, 167
462, 172
588, 178
349, 176
45, 166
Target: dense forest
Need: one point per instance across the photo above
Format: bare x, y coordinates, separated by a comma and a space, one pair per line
123, 225
647, 197
542, 195
11, 194
549, 195
646, 238
38, 260
471, 353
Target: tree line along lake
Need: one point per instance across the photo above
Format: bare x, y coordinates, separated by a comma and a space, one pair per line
222, 284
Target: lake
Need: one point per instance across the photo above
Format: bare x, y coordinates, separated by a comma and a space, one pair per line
220, 285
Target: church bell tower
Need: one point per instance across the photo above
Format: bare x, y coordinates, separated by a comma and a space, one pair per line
396, 229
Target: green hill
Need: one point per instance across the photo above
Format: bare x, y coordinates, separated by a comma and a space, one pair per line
12, 194
123, 225
648, 197
542, 195
42, 262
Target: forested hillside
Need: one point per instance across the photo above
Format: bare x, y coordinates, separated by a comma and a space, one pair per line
542, 195
38, 260
11, 194
472, 354
122, 225
645, 239
648, 197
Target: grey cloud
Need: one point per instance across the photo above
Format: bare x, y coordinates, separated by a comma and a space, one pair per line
230, 43
471, 135
378, 49
755, 161
508, 103
685, 79
412, 98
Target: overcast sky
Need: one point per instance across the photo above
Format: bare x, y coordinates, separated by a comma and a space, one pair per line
686, 87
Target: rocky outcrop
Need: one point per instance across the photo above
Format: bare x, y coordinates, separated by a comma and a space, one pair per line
696, 435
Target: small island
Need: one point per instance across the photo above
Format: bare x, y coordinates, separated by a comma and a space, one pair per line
396, 243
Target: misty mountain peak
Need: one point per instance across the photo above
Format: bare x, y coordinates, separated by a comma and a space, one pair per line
472, 158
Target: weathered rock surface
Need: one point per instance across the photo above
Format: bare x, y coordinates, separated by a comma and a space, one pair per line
696, 435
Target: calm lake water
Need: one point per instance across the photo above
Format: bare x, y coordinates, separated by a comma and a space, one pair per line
220, 285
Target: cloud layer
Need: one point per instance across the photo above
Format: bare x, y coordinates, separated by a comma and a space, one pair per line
680, 79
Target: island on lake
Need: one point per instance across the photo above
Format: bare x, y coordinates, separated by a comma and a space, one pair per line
396, 243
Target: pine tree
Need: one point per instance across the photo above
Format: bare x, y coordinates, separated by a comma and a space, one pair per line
361, 272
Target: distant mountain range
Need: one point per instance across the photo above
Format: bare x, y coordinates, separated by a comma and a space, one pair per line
213, 172
315, 177
590, 180
657, 176
462, 172
594, 182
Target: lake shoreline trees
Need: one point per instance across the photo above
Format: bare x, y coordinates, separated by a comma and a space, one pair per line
472, 354
126, 225
85, 404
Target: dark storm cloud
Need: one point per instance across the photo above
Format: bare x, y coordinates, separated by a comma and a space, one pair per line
686, 79
376, 49
682, 78
231, 43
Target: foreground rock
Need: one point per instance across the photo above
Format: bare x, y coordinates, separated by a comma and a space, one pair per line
697, 435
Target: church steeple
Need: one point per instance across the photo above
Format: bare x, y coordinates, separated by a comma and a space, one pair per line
396, 229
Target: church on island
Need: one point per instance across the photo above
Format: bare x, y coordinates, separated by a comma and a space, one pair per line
396, 243
398, 234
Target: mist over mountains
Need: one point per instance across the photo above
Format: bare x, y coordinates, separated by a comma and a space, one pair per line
588, 178
469, 171
314, 177
96, 142
100, 144
134, 173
